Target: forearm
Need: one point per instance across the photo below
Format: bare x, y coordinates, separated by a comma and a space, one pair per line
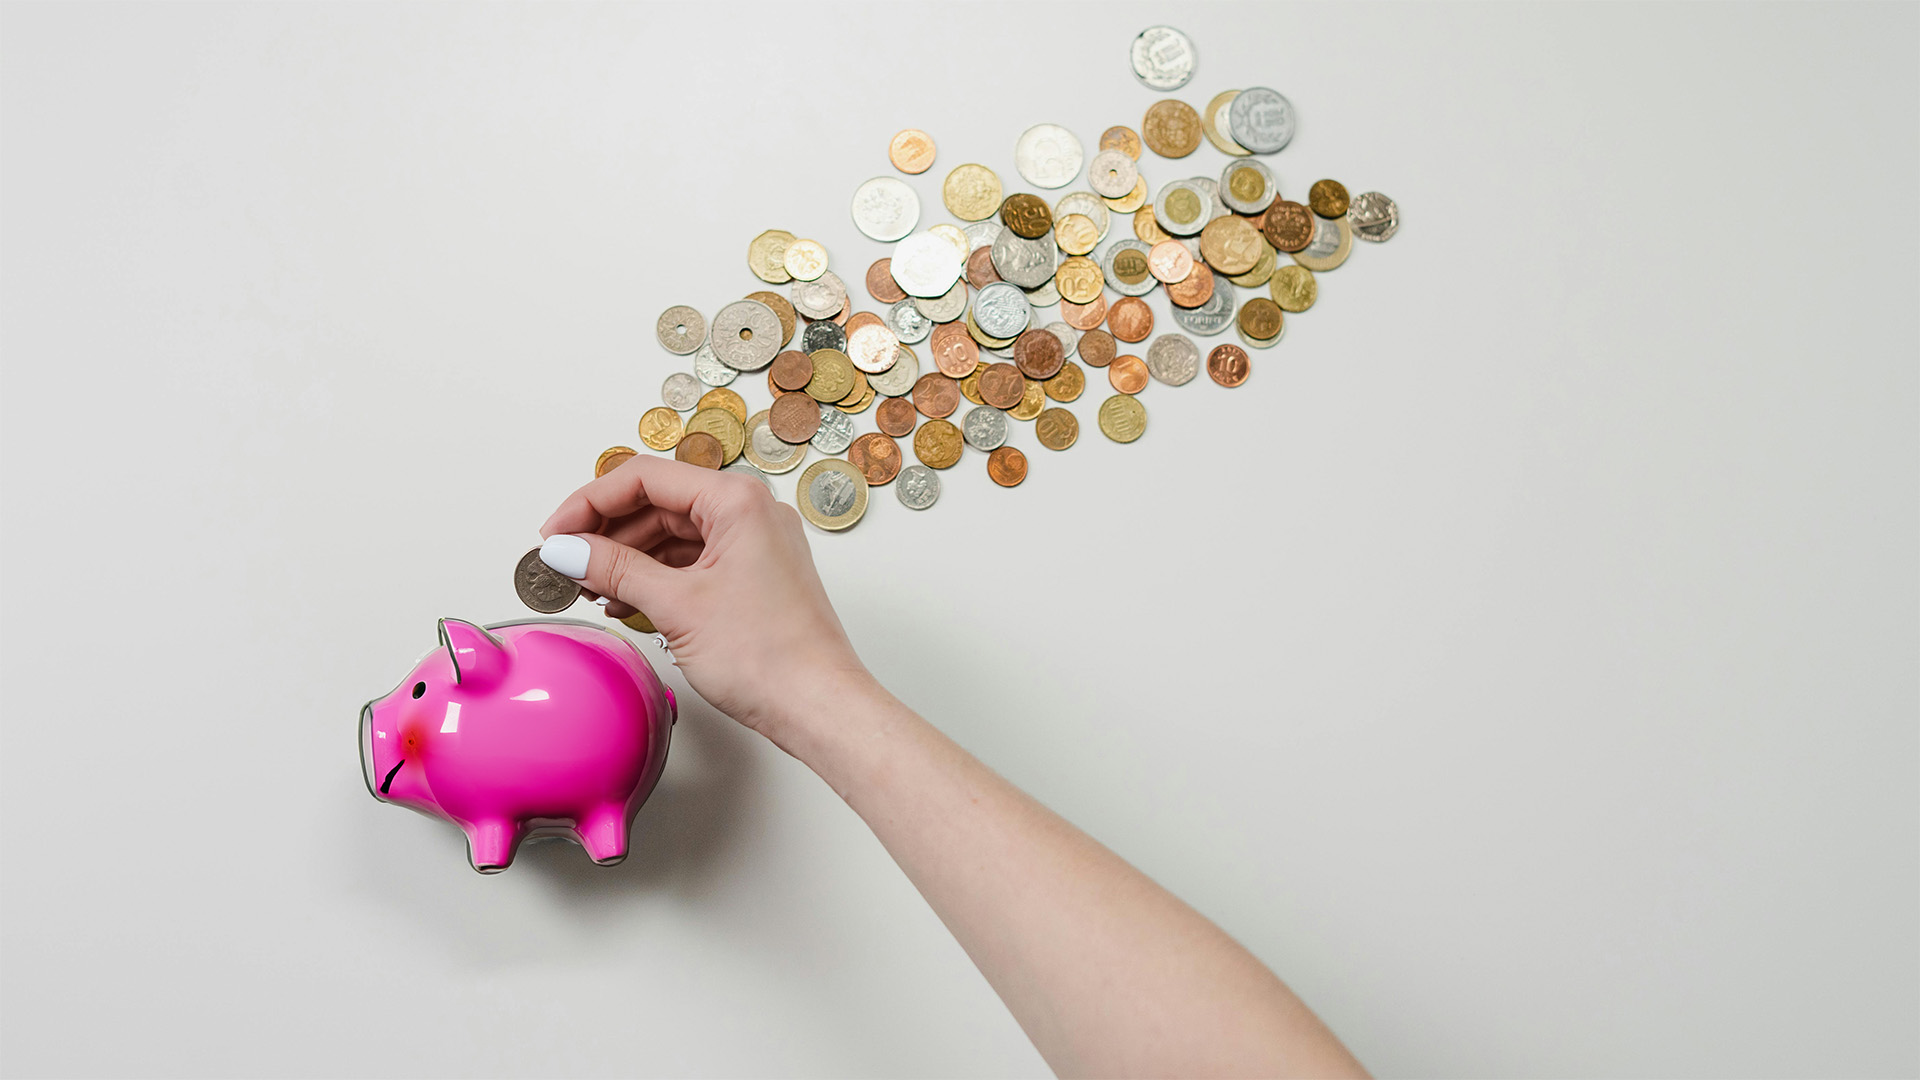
1108, 973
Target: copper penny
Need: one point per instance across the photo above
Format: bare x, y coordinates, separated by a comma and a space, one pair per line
1002, 386
1193, 290
895, 416
1007, 466
935, 395
954, 351
1227, 365
1128, 374
1170, 261
1260, 318
1288, 225
1130, 319
1097, 348
702, 449
782, 310
911, 151
1038, 354
937, 444
1027, 215
1171, 128
877, 457
980, 271
1328, 198
1123, 139
880, 283
794, 417
1085, 316
862, 318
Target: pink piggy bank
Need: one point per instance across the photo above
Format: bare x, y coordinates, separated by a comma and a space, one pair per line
523, 729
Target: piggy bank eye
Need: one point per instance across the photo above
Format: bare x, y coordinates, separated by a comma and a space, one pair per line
419, 689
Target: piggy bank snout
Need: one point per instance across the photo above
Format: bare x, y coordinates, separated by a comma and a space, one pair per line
366, 749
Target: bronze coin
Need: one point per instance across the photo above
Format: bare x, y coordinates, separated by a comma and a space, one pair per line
1227, 365
880, 283
1130, 319
1068, 384
794, 417
936, 395
1328, 198
1056, 429
980, 271
954, 351
1085, 316
877, 457
1097, 348
1170, 261
1027, 215
1288, 225
700, 448
1128, 374
862, 318
1171, 128
1260, 318
610, 459
1002, 386
1038, 354
1195, 289
782, 310
1122, 139
895, 416
791, 370
1007, 466
937, 444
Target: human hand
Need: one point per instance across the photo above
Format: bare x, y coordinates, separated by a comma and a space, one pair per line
724, 572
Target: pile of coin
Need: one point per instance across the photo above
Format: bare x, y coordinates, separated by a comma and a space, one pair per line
971, 293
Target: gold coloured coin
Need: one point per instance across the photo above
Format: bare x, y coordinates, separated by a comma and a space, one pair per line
858, 405
970, 385
1122, 418
952, 234
1260, 318
1033, 398
660, 428
971, 192
782, 310
1076, 234
1067, 384
806, 260
1146, 228
767, 256
723, 426
1328, 198
613, 456
832, 376
937, 444
981, 336
1057, 429
722, 398
1131, 201
1121, 138
832, 494
1294, 288
911, 151
639, 622
1231, 244
859, 387
767, 451
1079, 280
1027, 215
1213, 124
1171, 128
1315, 258
1262, 270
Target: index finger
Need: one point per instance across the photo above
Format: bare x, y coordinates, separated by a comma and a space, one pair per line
643, 480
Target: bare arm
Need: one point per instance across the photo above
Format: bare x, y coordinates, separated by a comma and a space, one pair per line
1108, 973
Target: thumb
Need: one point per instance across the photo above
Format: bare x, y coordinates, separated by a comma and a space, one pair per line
613, 569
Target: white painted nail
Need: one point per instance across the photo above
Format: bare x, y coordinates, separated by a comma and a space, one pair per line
602, 601
567, 554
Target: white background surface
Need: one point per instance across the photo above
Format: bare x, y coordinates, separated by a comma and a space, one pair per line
1523, 662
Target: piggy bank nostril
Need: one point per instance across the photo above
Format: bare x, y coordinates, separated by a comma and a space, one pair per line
419, 689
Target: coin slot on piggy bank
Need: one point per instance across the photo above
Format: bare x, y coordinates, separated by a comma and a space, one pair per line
522, 729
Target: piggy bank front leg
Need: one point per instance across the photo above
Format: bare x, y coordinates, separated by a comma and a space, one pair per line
491, 843
603, 832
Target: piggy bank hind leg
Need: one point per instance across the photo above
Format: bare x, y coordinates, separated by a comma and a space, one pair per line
603, 832
491, 843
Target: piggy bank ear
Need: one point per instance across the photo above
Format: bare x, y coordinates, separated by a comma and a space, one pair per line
477, 655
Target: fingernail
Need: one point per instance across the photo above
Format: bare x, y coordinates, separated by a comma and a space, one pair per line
567, 554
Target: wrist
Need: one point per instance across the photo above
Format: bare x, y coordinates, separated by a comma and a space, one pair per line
833, 705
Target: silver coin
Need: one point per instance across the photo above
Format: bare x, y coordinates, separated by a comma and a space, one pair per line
1046, 294
1216, 208
1001, 311
1112, 173
917, 486
1261, 120
982, 234
1326, 239
771, 453
906, 322
1069, 337
1004, 351
1374, 217
1087, 204
681, 391
708, 368
836, 430
1163, 58
746, 335
1244, 171
1049, 156
1139, 288
823, 334
833, 492
821, 298
1173, 359
1211, 317
680, 329
1201, 203
1026, 263
984, 427
742, 465
945, 308
898, 380
925, 265
885, 209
